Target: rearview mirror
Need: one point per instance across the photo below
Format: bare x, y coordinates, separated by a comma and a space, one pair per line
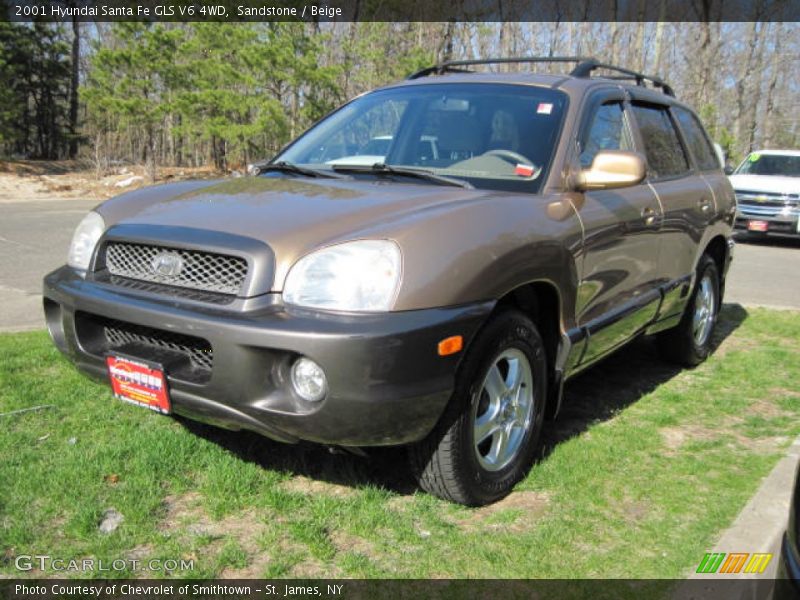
612, 169
728, 170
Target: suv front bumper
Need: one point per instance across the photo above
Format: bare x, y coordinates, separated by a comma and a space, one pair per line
387, 385
785, 221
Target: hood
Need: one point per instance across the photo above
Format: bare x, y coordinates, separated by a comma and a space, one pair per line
293, 216
775, 184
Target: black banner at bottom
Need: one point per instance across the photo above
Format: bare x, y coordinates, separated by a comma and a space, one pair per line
394, 589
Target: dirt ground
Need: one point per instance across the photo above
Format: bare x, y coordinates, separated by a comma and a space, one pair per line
56, 180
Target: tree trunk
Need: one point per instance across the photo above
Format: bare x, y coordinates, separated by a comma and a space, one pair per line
571, 37
447, 46
741, 84
150, 152
223, 159
73, 90
657, 49
615, 35
178, 143
294, 111
706, 69
640, 56
751, 122
771, 127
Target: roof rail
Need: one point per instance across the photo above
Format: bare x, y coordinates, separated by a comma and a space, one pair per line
584, 69
451, 66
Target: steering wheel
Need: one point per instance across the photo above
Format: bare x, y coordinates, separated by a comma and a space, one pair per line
509, 156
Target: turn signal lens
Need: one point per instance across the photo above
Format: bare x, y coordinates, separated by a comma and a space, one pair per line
451, 345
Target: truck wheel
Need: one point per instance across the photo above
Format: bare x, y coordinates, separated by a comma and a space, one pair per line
689, 343
485, 441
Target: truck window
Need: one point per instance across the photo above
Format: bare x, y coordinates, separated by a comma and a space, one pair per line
608, 131
697, 139
665, 154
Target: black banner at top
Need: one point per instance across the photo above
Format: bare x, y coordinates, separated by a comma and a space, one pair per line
402, 10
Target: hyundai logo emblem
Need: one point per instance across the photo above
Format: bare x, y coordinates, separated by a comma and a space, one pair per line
167, 264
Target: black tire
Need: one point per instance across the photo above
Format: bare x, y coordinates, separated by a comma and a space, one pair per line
448, 463
680, 344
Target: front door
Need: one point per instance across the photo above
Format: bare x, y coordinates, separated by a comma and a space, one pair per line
618, 293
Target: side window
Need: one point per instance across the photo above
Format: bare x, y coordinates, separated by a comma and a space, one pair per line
665, 154
697, 139
607, 131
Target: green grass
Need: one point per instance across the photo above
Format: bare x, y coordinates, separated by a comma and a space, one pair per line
644, 469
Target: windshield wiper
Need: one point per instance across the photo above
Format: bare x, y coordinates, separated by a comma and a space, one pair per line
287, 167
383, 169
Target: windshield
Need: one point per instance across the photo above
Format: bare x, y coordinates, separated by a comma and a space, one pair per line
493, 136
770, 164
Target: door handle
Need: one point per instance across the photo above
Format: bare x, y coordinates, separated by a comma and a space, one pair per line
649, 215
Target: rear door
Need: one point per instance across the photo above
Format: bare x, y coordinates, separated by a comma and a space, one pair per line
687, 200
618, 293
706, 162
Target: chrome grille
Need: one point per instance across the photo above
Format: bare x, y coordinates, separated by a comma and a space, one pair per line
758, 211
198, 270
767, 198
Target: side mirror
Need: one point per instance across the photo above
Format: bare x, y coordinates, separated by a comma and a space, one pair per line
612, 169
728, 170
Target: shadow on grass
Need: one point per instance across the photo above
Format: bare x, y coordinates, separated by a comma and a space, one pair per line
382, 467
595, 396
620, 380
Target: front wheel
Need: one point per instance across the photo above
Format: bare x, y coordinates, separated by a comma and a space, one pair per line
485, 441
689, 343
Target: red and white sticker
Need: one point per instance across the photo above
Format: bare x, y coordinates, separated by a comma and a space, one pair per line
138, 383
544, 108
524, 170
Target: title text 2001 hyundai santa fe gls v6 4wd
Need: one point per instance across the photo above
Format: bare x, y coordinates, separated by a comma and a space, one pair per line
513, 230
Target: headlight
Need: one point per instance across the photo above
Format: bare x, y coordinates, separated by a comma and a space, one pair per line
354, 276
84, 240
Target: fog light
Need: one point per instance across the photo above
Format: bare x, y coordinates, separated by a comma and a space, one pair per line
309, 380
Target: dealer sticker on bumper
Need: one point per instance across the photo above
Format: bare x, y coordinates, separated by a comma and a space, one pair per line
139, 383
757, 226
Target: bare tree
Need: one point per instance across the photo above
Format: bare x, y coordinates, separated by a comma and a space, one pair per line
73, 88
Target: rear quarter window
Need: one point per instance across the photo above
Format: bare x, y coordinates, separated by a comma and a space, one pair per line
665, 154
697, 139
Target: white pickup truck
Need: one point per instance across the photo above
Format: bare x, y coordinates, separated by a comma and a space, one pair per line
767, 186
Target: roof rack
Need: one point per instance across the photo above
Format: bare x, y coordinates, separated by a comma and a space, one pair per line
451, 66
584, 69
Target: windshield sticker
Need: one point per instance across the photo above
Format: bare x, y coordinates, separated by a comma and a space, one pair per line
525, 170
544, 108
754, 157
